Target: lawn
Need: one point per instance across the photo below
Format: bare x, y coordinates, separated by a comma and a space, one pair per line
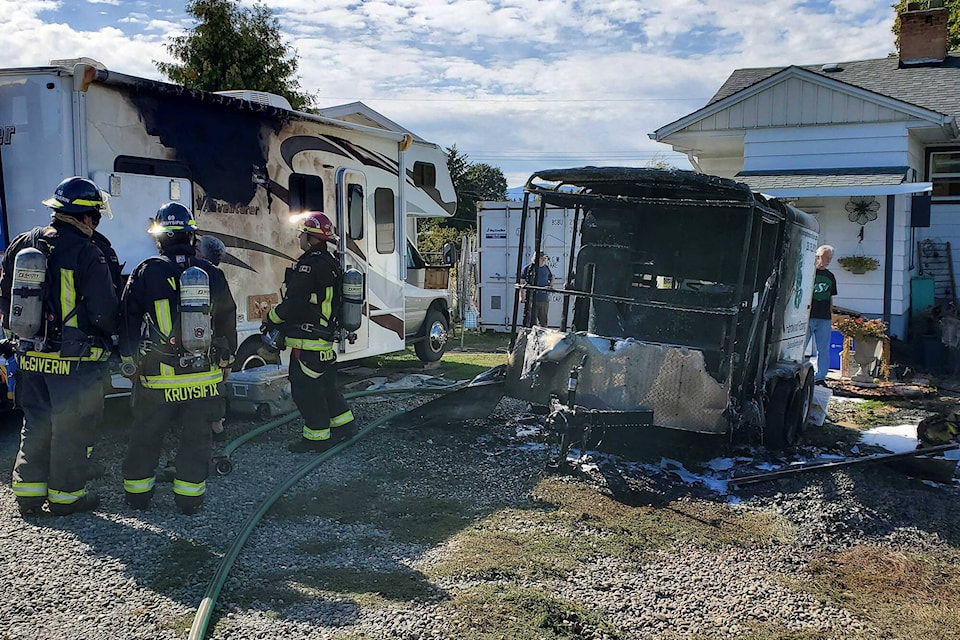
469, 353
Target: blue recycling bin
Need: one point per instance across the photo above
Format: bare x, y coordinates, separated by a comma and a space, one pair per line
836, 348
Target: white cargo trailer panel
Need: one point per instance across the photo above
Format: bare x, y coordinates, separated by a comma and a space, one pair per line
498, 225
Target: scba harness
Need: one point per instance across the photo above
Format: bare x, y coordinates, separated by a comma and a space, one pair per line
177, 350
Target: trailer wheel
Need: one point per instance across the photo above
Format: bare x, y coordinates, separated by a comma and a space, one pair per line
431, 348
248, 356
804, 402
782, 428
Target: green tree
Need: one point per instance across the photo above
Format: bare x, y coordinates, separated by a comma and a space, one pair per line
234, 48
473, 182
953, 21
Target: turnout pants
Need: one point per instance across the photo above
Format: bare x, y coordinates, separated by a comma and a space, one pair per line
313, 383
153, 418
52, 462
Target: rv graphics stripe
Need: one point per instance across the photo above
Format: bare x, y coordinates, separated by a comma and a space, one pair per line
391, 323
338, 146
249, 245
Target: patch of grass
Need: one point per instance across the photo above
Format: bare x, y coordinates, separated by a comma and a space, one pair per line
180, 625
409, 517
871, 413
830, 435
400, 585
906, 595
180, 563
577, 524
494, 612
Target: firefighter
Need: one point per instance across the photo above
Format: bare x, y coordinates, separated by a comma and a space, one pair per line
307, 319
177, 383
59, 365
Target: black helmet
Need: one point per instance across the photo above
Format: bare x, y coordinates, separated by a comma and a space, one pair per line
77, 196
174, 222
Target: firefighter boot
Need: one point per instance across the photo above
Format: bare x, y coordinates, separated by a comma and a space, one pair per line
87, 502
188, 505
30, 507
346, 432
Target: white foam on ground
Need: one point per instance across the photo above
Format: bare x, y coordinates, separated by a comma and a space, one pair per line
895, 439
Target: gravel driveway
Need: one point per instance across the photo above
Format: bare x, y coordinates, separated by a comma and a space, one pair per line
122, 574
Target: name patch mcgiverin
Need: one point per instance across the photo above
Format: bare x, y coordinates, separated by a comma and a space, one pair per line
191, 393
52, 366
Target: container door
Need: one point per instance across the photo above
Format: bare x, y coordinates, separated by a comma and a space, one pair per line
354, 243
134, 200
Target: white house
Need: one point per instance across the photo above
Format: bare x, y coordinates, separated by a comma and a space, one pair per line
844, 141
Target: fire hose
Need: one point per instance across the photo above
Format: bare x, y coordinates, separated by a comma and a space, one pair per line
205, 611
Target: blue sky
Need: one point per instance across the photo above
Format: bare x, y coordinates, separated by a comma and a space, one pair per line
520, 84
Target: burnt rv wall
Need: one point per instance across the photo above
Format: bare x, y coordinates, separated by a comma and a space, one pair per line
679, 265
220, 145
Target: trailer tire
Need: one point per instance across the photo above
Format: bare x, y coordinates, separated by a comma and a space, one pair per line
434, 342
781, 429
804, 403
249, 356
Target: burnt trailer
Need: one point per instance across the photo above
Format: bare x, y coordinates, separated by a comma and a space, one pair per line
685, 306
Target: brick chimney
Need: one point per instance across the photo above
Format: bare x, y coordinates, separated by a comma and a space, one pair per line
923, 34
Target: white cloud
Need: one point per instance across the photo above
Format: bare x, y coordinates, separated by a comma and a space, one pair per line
541, 80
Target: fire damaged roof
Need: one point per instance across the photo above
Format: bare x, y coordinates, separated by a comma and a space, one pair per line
614, 186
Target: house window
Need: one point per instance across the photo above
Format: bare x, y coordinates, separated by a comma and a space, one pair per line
383, 218
945, 174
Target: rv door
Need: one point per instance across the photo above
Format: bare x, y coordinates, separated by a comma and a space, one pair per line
354, 245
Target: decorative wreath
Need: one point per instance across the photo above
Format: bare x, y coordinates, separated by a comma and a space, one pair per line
862, 209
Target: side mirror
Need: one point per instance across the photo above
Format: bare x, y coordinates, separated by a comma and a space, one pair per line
450, 253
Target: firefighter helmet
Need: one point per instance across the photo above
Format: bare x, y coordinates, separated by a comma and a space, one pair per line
317, 225
173, 224
78, 196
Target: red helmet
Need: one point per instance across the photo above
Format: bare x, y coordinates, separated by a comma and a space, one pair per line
318, 225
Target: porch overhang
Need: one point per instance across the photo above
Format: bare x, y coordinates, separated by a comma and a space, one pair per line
800, 183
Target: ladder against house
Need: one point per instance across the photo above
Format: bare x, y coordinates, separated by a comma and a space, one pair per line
936, 261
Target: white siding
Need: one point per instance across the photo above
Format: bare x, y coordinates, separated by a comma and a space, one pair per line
795, 102
850, 146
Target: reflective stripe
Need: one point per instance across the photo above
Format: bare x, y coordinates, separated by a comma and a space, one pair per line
144, 485
274, 317
164, 321
315, 434
29, 489
96, 354
168, 380
312, 345
191, 489
313, 298
326, 308
342, 419
64, 497
68, 297
88, 203
89, 452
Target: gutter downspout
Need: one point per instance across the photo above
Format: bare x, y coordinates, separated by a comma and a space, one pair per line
888, 262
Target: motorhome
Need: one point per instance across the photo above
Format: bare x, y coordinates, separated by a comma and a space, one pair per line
243, 162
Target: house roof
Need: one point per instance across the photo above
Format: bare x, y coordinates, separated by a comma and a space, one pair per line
933, 87
824, 182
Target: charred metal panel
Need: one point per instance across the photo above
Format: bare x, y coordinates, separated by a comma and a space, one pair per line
621, 375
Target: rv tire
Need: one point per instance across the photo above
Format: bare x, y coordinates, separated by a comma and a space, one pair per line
435, 327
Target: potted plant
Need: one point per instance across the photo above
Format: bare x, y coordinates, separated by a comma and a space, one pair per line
867, 335
859, 264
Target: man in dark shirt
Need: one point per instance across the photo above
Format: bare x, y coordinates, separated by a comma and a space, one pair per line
821, 312
538, 274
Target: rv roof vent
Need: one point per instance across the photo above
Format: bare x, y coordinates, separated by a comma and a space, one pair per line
831, 67
260, 97
69, 63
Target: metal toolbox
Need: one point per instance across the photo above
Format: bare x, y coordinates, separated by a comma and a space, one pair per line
263, 391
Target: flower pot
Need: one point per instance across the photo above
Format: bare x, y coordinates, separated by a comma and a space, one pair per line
865, 355
858, 270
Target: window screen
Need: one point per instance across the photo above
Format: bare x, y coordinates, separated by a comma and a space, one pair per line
383, 216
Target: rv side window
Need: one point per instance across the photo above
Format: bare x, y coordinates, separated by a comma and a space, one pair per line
306, 193
383, 215
355, 211
424, 174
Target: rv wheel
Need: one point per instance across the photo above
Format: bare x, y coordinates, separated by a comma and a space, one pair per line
782, 428
431, 348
